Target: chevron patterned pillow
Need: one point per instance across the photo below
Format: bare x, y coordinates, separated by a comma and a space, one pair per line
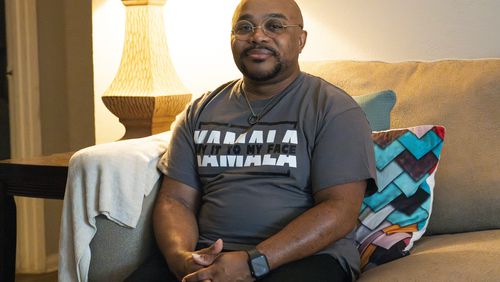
396, 215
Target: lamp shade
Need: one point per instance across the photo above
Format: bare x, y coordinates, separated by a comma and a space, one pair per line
146, 93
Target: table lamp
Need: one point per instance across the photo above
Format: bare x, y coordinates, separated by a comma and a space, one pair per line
146, 93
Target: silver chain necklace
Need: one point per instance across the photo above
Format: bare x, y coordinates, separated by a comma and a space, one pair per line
255, 118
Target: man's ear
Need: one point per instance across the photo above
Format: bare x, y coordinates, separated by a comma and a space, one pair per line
302, 40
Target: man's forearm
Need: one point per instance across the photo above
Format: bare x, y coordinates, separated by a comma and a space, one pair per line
174, 221
320, 226
175, 227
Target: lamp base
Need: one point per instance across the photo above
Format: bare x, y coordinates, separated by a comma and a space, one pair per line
145, 116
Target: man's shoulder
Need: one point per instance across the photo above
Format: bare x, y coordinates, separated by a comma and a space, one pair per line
208, 96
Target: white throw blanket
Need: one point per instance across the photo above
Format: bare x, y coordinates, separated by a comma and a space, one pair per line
109, 179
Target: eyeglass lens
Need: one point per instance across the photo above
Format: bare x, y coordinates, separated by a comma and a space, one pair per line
271, 27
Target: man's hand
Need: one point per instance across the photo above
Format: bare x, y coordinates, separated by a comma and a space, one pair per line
228, 267
189, 262
207, 256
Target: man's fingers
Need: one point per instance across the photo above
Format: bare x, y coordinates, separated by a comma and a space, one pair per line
208, 255
214, 249
204, 260
217, 246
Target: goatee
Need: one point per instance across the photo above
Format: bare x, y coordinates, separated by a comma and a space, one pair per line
262, 76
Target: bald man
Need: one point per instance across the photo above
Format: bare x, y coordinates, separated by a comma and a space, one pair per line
264, 176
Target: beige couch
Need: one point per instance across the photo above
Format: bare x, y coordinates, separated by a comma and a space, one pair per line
463, 239
464, 96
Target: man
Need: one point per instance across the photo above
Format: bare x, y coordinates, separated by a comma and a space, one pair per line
264, 177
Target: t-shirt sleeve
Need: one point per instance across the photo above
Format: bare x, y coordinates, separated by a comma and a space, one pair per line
179, 160
343, 151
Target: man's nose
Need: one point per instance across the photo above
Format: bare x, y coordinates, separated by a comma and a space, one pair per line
259, 34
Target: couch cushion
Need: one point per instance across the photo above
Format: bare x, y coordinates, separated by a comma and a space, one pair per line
397, 214
464, 96
472, 256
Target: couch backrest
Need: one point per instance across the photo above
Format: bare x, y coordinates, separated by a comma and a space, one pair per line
462, 95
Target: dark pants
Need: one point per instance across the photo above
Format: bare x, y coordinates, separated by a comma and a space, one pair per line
318, 268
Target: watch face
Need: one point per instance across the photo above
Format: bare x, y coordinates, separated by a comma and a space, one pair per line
259, 265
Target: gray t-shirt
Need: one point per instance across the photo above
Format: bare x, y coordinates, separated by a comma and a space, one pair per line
256, 179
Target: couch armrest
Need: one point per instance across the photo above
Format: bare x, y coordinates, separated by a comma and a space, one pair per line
111, 180
116, 251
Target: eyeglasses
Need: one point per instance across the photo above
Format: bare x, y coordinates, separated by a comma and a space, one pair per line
271, 27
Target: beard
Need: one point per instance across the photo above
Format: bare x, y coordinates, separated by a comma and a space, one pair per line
260, 75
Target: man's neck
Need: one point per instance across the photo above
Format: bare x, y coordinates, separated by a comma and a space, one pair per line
264, 90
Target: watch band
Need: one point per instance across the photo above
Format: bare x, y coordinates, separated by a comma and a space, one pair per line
259, 266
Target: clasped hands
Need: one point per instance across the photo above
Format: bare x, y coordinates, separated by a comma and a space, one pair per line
212, 265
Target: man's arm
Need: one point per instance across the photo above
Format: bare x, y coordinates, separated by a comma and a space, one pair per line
334, 215
332, 218
176, 227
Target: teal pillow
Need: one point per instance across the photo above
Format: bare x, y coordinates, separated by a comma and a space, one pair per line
377, 107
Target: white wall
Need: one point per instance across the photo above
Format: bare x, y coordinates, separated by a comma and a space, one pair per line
387, 30
399, 30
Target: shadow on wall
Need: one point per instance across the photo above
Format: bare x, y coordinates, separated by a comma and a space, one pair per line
4, 95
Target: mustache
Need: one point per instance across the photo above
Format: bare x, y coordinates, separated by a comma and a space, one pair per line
254, 47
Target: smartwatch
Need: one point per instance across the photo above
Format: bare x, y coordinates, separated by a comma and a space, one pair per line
258, 263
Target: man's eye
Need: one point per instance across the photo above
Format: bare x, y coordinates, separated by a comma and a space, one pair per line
275, 26
243, 28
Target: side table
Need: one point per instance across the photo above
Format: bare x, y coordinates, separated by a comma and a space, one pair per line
40, 177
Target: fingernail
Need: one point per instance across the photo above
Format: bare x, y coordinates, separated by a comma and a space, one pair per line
196, 256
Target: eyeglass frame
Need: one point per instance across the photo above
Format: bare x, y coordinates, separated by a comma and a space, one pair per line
262, 27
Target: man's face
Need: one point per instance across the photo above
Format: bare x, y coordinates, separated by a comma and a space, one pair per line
263, 57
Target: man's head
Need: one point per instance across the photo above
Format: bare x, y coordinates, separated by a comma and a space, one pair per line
267, 39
